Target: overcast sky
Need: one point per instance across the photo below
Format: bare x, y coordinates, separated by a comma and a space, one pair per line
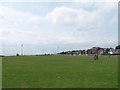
50, 27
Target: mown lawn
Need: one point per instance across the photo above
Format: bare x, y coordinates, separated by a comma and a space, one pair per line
60, 72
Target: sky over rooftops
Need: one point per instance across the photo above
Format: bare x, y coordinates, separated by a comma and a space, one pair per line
69, 25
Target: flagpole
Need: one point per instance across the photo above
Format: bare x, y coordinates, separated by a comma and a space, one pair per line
21, 49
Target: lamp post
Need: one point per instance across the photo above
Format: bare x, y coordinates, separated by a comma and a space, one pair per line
21, 49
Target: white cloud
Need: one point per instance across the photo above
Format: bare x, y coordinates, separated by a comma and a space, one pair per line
16, 36
68, 16
63, 25
12, 18
59, 0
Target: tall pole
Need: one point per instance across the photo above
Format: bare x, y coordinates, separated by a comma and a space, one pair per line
42, 51
21, 49
57, 49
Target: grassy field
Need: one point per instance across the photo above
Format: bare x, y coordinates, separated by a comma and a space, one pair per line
60, 72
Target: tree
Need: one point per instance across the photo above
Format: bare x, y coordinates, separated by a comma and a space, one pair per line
117, 47
17, 54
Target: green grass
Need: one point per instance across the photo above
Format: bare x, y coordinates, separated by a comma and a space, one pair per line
60, 72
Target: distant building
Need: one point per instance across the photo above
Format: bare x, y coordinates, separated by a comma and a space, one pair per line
91, 51
111, 51
117, 52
